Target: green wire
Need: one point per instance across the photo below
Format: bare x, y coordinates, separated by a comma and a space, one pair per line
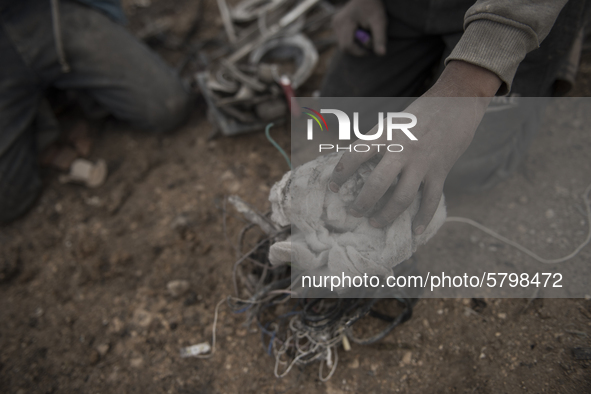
276, 145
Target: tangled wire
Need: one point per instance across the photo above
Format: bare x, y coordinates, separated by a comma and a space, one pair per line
300, 331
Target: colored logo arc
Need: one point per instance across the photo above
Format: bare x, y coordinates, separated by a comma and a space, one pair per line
316, 118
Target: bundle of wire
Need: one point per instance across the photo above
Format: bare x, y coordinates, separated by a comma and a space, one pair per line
300, 331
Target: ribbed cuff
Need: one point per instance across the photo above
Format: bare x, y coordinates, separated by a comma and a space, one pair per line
495, 46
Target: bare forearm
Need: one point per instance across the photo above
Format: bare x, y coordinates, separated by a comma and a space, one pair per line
462, 79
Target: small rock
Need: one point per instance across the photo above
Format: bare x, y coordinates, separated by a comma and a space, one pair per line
142, 3
83, 171
38, 312
142, 318
177, 288
407, 358
136, 362
227, 175
234, 187
94, 201
102, 349
180, 223
354, 364
195, 350
550, 214
502, 315
116, 326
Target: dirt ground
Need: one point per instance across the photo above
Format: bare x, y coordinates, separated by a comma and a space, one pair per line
84, 305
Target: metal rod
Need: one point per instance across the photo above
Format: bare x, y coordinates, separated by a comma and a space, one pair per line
227, 19
287, 19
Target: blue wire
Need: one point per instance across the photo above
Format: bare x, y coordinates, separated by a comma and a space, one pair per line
276, 145
242, 310
270, 347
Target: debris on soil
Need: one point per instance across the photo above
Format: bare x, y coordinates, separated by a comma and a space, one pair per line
177, 288
195, 350
83, 171
102, 349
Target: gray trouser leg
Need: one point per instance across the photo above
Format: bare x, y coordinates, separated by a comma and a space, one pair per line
107, 63
121, 73
19, 100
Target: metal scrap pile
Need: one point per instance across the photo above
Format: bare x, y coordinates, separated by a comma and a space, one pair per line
272, 55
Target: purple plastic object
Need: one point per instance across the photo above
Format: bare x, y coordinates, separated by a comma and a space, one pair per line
363, 36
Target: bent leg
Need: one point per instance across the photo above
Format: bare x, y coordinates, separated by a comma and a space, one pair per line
20, 97
121, 73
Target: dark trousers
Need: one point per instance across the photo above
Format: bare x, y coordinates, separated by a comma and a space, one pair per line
421, 34
107, 63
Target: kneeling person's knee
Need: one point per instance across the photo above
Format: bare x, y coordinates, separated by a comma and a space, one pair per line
167, 110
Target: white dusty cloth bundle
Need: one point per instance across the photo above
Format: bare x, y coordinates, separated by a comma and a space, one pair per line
326, 238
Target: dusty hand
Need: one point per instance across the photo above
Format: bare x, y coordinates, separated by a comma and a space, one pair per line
447, 117
368, 14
